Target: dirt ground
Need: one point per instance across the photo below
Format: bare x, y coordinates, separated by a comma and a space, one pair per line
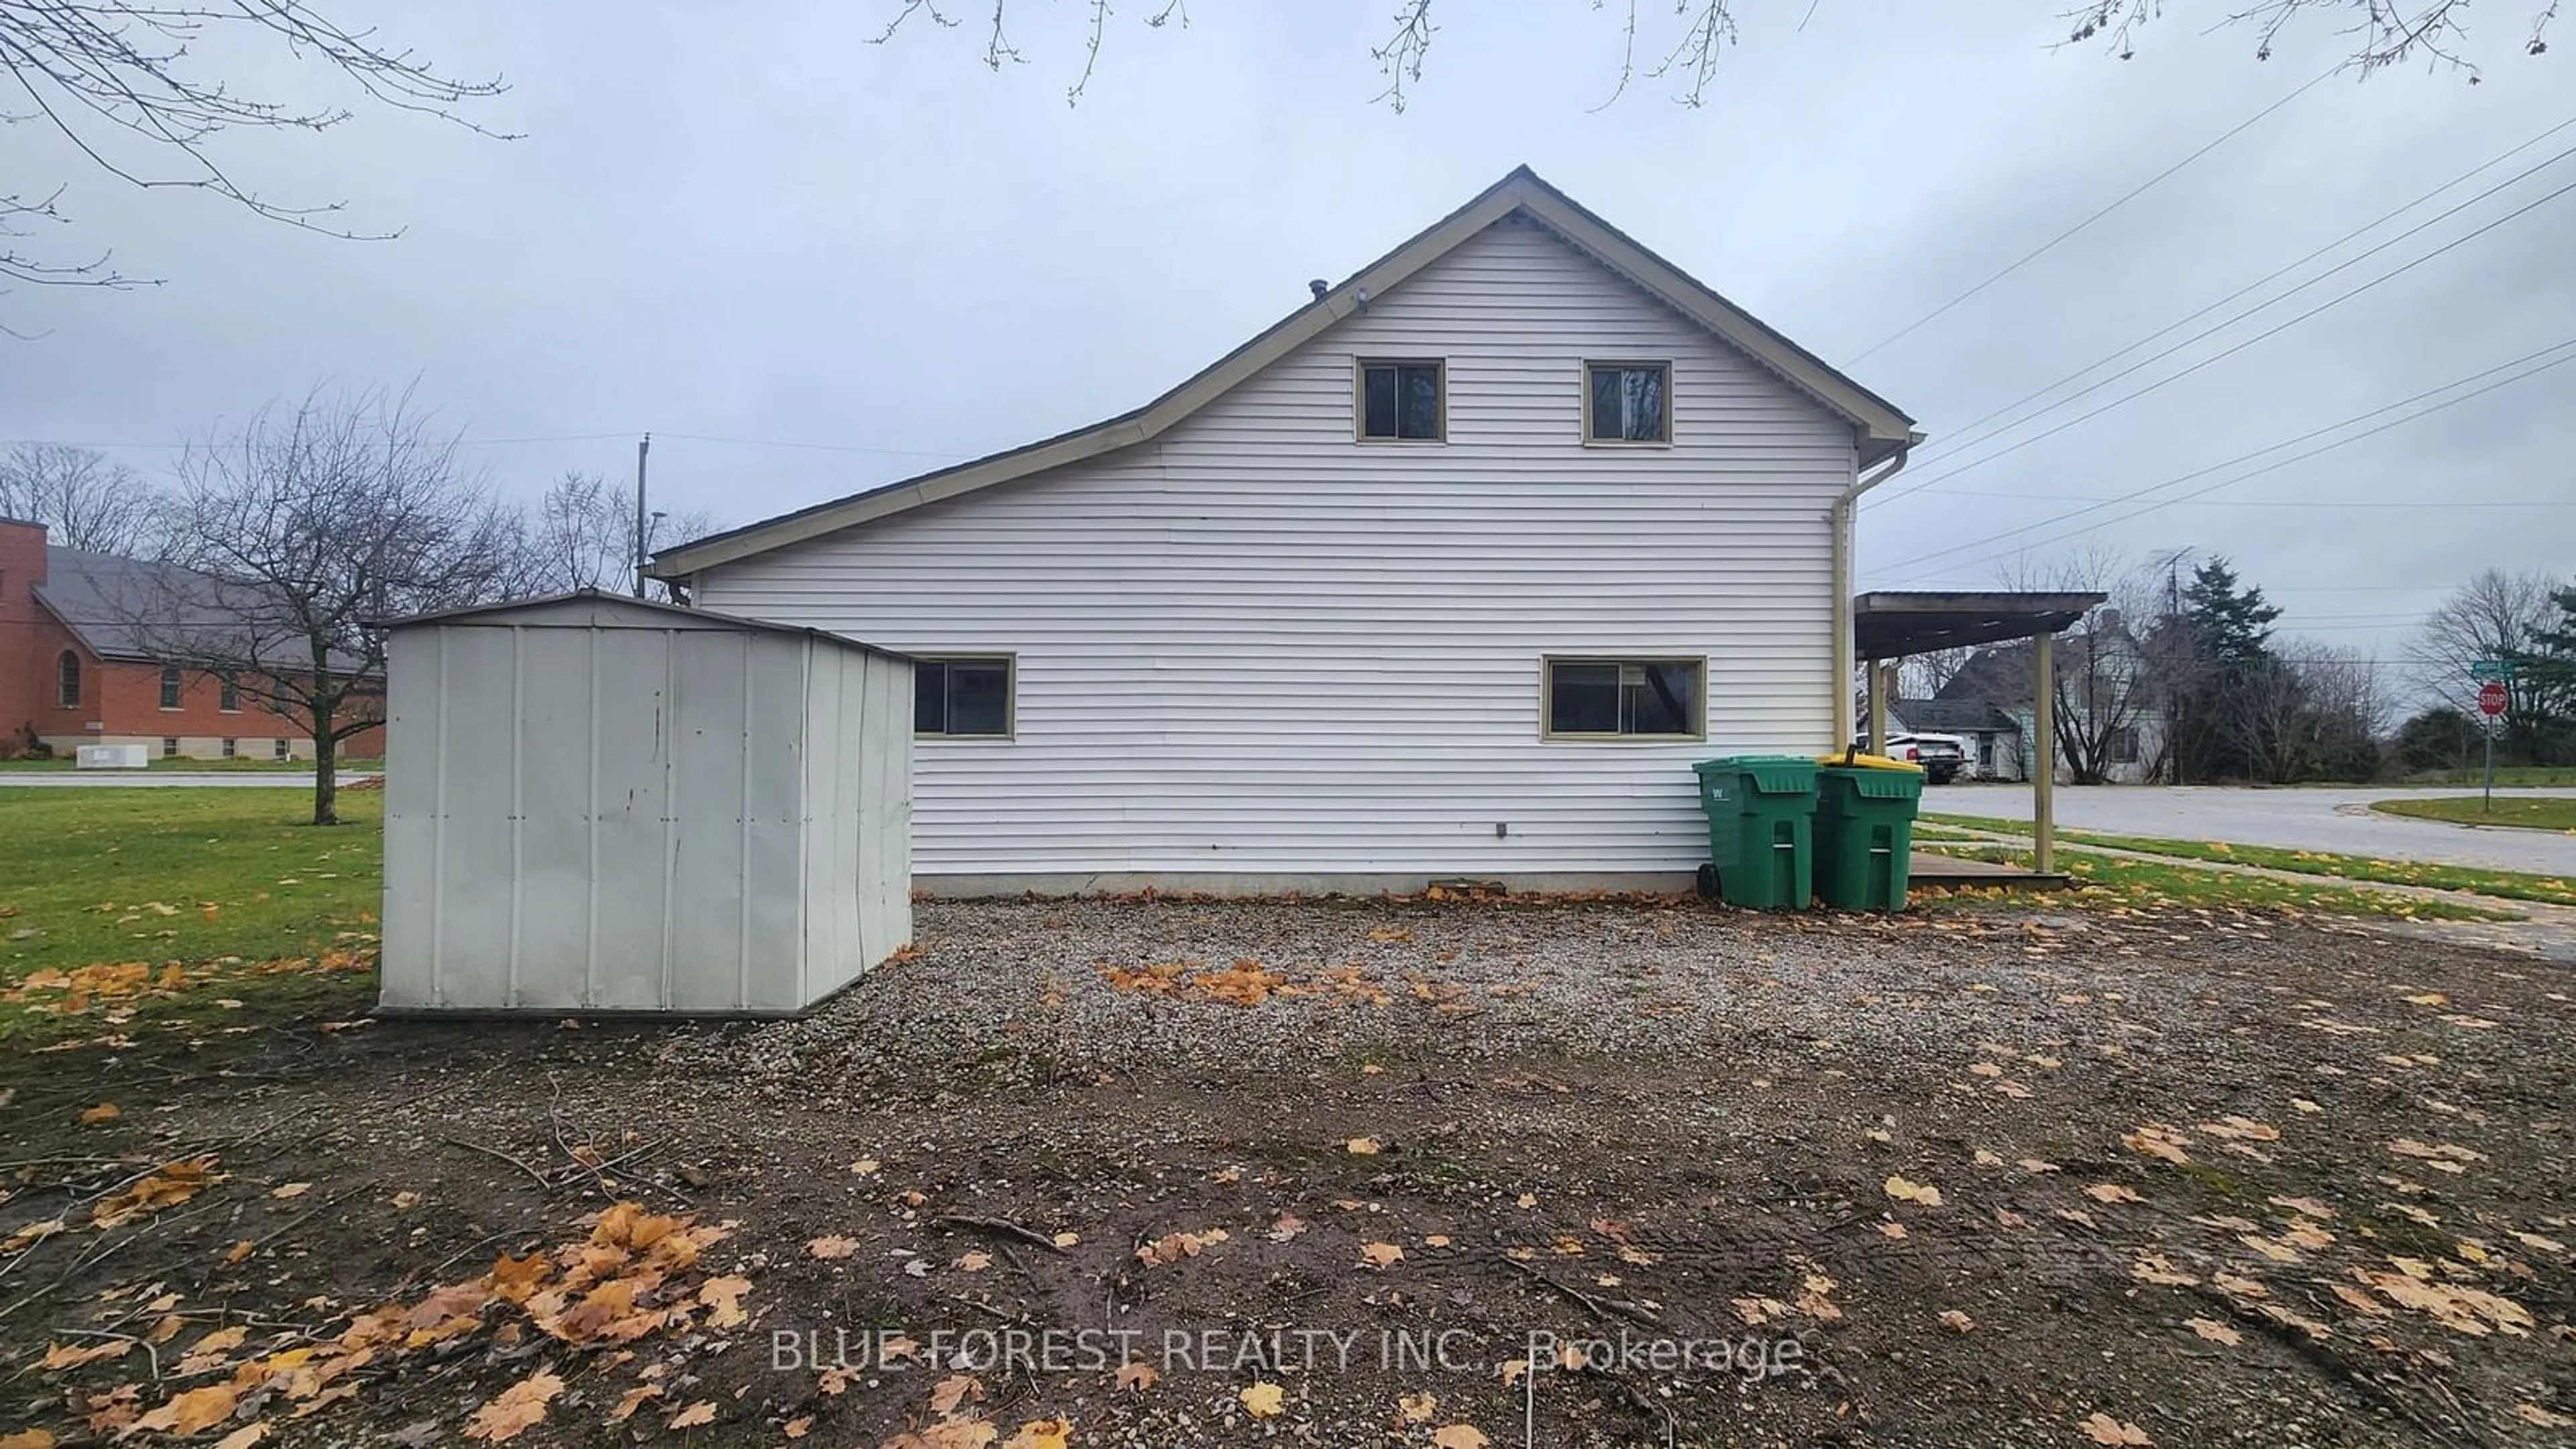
1171, 1173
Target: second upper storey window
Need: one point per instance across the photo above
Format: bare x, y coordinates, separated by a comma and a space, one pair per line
1403, 401
1628, 402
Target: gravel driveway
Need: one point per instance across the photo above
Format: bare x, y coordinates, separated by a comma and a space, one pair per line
2327, 818
1989, 1176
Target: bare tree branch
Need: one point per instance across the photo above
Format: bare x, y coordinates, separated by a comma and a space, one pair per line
2382, 34
84, 501
292, 539
120, 81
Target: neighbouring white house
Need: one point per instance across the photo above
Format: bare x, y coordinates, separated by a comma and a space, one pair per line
1453, 572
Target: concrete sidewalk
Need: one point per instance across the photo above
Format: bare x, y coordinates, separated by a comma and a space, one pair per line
149, 779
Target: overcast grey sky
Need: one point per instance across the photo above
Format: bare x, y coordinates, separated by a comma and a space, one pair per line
779, 232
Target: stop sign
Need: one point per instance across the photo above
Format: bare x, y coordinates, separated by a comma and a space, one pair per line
2491, 698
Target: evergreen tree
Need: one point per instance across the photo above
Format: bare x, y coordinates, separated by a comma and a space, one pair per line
2230, 696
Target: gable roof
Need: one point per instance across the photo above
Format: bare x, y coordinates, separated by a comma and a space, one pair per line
1879, 426
600, 609
1954, 716
142, 610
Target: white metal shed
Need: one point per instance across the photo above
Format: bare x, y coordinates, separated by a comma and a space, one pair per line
596, 803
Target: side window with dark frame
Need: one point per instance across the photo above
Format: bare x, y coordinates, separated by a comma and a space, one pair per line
963, 696
1628, 402
172, 684
1625, 698
1403, 400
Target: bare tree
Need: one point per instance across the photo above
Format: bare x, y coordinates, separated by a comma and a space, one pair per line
83, 500
2106, 701
2495, 615
581, 535
1683, 41
294, 537
128, 86
1923, 676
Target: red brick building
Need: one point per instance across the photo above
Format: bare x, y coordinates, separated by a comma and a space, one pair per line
73, 673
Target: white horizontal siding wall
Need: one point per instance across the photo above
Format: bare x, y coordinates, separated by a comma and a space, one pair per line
1254, 647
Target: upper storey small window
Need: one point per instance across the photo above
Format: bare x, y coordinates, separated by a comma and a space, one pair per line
1403, 401
1628, 402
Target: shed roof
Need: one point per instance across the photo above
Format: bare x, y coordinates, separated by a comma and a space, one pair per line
1893, 625
600, 609
1880, 428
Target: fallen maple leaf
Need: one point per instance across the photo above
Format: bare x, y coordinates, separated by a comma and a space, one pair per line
631, 1400
28, 1439
517, 1409
2531, 1413
832, 1247
239, 1251
724, 1295
1381, 1255
1262, 1401
291, 1190
64, 1356
975, 1261
103, 1112
1041, 1434
1288, 1226
1416, 1408
953, 1390
2215, 1331
797, 1427
1459, 1436
245, 1436
701, 1412
1135, 1374
194, 1410
2111, 1192
1914, 1192
1364, 1147
2101, 1428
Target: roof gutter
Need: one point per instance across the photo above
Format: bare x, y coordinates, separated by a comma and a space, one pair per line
1846, 508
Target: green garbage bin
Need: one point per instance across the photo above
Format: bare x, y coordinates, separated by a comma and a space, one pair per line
1865, 834
1761, 810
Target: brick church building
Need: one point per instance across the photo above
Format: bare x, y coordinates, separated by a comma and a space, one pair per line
74, 671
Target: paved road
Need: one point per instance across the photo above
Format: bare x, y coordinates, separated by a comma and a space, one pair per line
2337, 819
227, 779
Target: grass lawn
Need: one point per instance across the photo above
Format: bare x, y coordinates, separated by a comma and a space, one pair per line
2506, 884
120, 907
2545, 813
2504, 775
2115, 881
181, 766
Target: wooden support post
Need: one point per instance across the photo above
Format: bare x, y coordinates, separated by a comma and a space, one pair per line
1878, 675
2043, 783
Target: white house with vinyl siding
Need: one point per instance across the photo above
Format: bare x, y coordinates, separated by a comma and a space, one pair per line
1234, 641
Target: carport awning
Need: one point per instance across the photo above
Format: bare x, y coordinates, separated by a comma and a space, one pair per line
1893, 625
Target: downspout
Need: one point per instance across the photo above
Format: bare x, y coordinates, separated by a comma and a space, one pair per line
1846, 509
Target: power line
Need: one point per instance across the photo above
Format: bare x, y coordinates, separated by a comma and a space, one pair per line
2266, 468
2132, 195
2232, 350
2310, 435
1956, 441
2310, 503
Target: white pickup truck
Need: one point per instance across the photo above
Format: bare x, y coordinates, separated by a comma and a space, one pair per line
1944, 758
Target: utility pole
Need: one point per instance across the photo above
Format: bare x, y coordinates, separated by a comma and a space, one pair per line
643, 450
